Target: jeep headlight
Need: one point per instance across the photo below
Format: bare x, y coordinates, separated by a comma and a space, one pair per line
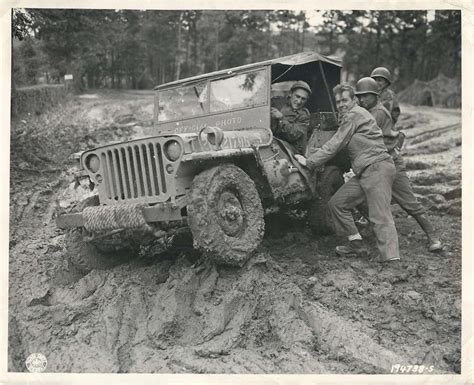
92, 163
215, 136
173, 150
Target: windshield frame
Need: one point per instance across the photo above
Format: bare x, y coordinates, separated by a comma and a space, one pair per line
206, 111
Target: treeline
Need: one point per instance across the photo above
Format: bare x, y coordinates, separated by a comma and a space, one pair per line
412, 44
140, 49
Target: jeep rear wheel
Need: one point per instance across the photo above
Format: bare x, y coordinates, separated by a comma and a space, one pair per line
319, 217
225, 214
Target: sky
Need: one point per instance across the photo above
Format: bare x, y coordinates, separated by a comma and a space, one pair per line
315, 17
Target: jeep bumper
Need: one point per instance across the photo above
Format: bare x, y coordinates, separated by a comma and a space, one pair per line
98, 218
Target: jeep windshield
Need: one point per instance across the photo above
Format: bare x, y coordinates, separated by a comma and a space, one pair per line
239, 91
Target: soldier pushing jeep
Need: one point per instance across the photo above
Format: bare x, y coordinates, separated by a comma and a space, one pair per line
388, 98
367, 92
374, 174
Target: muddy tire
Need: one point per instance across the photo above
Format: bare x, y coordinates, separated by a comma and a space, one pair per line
85, 255
225, 214
319, 218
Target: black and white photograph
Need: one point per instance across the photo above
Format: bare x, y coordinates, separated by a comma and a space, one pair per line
272, 191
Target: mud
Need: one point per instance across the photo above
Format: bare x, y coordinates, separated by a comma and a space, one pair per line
293, 308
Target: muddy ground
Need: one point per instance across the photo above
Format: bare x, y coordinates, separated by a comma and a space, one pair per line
293, 308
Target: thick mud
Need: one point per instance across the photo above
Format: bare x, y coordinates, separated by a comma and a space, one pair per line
294, 307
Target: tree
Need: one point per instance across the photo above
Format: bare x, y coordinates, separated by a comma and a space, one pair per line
21, 23
139, 49
403, 41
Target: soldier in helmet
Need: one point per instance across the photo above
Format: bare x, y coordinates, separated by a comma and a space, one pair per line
388, 98
291, 123
374, 174
402, 193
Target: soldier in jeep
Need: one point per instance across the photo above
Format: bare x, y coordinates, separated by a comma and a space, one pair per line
291, 122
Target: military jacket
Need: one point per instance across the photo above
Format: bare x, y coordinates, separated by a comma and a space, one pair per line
293, 127
389, 100
359, 133
385, 122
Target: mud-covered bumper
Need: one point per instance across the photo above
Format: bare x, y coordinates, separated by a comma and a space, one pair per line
99, 218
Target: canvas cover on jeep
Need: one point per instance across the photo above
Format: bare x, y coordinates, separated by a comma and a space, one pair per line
241, 97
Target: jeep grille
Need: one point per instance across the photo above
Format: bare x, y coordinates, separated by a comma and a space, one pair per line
135, 172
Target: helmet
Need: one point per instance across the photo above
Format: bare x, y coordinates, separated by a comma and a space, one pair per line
382, 72
367, 86
301, 84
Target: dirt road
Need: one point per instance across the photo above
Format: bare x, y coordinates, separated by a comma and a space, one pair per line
294, 308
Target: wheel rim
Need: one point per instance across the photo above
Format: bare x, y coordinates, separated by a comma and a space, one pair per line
230, 214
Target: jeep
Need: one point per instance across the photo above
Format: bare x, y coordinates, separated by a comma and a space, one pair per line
213, 166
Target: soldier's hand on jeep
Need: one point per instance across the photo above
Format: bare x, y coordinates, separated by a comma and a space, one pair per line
301, 159
275, 113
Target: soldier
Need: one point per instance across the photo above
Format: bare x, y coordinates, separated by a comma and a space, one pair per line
402, 193
291, 123
387, 97
374, 174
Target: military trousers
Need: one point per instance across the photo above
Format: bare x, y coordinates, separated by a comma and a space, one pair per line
374, 186
402, 192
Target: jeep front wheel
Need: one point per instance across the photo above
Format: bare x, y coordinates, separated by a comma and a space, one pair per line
225, 214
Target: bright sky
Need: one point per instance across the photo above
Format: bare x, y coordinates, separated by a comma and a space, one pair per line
315, 17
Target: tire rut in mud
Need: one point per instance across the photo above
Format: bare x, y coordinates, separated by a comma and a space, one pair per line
138, 318
185, 315
179, 316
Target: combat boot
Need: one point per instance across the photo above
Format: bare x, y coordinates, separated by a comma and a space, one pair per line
355, 248
434, 244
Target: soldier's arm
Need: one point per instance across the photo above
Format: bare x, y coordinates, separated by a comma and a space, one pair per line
395, 115
384, 121
386, 97
395, 112
293, 131
339, 140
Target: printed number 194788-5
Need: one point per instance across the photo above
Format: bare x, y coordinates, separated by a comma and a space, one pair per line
407, 369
